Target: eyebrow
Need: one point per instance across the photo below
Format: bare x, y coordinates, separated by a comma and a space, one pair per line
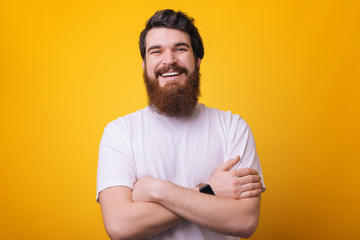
182, 44
176, 45
153, 47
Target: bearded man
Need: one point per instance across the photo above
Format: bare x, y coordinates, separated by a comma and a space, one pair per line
177, 169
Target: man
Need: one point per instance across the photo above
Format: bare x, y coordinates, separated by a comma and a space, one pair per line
161, 172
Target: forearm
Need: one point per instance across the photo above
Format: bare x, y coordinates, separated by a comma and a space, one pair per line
143, 220
126, 219
222, 215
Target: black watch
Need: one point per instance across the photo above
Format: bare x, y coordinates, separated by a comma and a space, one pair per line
206, 189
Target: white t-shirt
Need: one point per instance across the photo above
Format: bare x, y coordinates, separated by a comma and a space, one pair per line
184, 150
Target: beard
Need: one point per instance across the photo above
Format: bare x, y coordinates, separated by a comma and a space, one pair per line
173, 100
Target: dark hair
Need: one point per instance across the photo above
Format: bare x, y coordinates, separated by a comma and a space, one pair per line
176, 20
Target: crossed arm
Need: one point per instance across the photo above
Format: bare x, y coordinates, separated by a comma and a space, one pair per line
155, 205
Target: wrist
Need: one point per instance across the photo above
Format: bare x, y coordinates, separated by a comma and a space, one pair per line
159, 189
205, 188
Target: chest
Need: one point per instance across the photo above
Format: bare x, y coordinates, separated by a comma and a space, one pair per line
183, 153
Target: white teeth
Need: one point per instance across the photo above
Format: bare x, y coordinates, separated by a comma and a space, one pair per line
169, 74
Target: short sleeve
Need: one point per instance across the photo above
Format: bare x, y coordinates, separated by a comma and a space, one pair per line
241, 142
116, 163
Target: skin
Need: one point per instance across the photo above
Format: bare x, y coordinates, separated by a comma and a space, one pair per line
155, 205
166, 47
240, 183
144, 211
223, 215
233, 211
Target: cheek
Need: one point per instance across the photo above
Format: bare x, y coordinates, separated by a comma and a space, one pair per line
189, 63
148, 71
191, 67
150, 68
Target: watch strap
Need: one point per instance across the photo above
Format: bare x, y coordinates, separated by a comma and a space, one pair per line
206, 188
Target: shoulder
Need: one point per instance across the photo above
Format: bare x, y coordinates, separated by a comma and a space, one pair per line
225, 117
216, 111
123, 125
126, 120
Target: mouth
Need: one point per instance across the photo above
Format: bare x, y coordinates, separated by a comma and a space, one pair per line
171, 79
171, 71
170, 74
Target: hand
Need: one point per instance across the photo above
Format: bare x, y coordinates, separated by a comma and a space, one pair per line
238, 183
145, 189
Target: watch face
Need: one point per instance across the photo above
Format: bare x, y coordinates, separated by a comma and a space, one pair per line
207, 189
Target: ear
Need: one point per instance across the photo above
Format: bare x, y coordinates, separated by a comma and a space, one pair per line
143, 64
198, 62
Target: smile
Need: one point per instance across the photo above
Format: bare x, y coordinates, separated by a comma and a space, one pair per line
170, 74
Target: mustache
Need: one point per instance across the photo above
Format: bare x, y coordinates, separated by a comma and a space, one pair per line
175, 68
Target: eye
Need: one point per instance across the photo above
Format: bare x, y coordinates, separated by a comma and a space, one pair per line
155, 52
181, 49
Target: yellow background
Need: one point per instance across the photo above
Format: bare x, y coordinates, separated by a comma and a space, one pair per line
291, 69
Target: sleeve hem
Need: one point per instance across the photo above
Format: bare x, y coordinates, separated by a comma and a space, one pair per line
117, 182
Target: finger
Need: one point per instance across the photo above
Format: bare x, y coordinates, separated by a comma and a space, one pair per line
250, 194
249, 179
241, 172
229, 164
250, 187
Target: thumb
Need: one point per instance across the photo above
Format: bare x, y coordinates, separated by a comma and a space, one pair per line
229, 164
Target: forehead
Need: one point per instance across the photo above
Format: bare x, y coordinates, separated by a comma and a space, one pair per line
166, 37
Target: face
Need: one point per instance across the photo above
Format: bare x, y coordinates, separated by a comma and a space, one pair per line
169, 57
171, 73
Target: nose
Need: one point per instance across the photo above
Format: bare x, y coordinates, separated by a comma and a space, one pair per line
169, 58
